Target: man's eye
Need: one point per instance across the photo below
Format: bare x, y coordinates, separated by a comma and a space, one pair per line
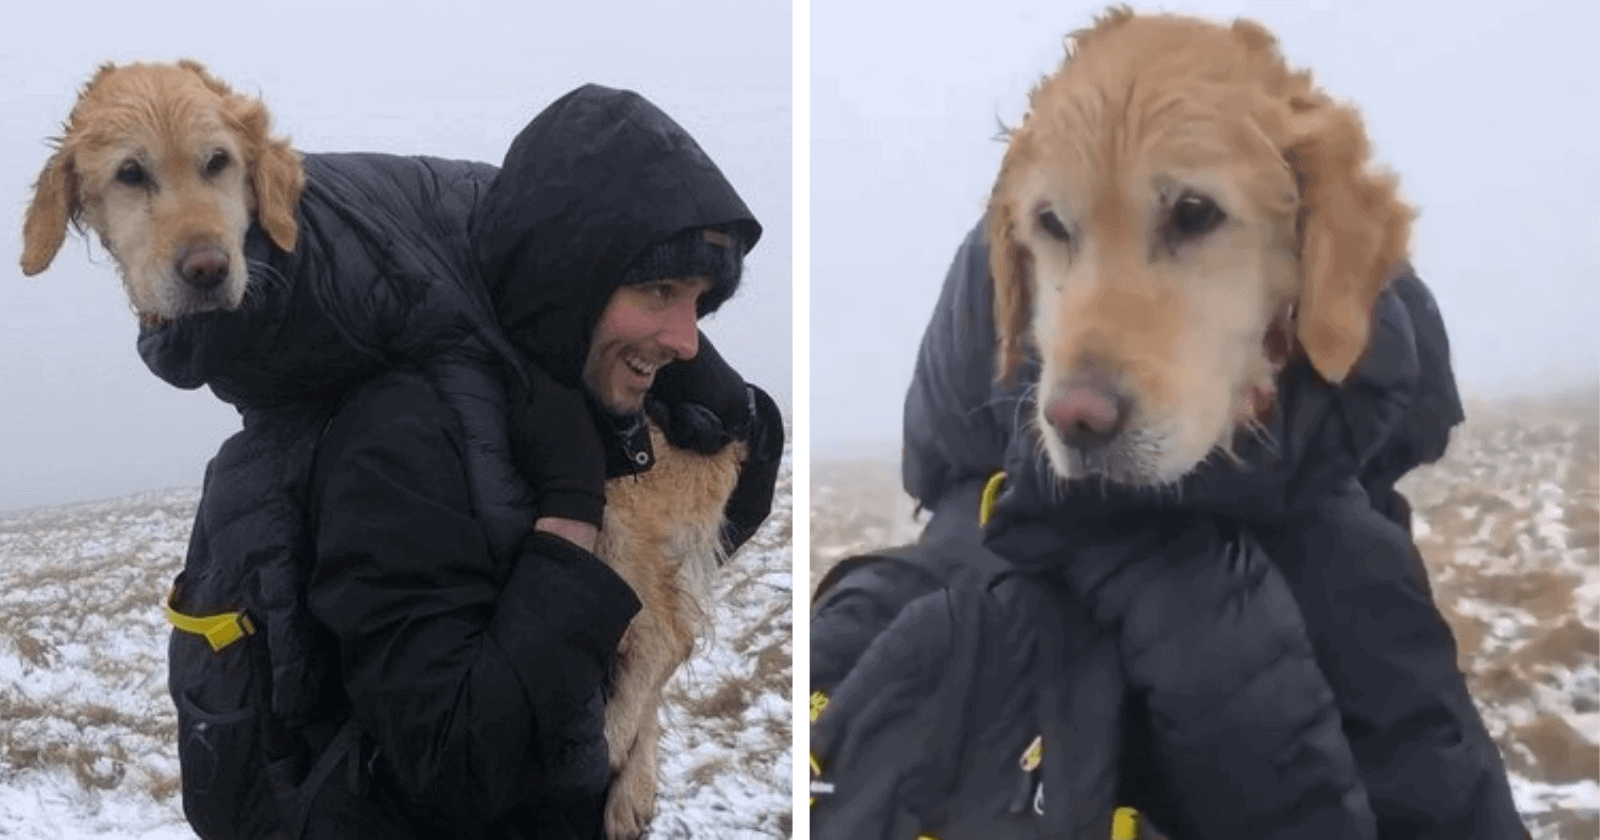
664, 291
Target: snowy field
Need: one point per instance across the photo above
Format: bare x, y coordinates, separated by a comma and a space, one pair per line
1509, 523
87, 730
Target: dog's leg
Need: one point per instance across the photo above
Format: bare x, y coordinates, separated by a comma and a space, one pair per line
656, 642
632, 803
625, 708
653, 648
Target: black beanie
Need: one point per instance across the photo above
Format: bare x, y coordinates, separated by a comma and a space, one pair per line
712, 252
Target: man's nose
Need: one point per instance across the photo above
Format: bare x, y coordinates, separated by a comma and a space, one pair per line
682, 335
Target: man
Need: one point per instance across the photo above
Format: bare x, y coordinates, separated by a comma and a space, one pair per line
510, 331
1424, 757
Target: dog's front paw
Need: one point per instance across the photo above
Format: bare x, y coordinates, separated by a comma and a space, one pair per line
632, 804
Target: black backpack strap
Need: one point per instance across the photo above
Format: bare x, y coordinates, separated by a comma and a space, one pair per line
295, 801
295, 777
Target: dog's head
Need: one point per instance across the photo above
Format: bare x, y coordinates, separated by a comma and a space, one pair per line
1176, 214
168, 166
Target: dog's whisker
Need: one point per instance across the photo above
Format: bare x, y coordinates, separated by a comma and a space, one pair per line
1263, 435
997, 400
264, 278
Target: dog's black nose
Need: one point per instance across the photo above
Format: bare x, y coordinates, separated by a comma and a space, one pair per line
1088, 410
203, 266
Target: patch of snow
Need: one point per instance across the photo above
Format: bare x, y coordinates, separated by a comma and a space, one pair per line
87, 729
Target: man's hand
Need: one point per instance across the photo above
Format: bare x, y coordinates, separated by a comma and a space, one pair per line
557, 448
702, 403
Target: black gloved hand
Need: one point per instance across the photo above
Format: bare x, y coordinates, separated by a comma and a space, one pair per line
557, 448
701, 404
751, 501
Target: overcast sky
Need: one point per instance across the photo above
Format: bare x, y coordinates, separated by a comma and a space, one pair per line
1490, 112
80, 415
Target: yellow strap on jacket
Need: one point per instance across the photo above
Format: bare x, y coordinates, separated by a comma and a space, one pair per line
819, 701
1125, 824
220, 630
991, 493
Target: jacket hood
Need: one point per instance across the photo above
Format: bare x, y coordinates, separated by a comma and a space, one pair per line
1319, 436
590, 184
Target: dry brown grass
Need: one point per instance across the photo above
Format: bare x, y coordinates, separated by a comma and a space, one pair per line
83, 642
856, 505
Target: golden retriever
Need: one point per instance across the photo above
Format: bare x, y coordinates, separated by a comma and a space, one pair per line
1176, 213
169, 167
662, 534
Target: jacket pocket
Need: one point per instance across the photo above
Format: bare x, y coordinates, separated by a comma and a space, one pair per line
224, 792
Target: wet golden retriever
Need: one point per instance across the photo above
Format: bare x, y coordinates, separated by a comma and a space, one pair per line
1177, 211
169, 167
662, 535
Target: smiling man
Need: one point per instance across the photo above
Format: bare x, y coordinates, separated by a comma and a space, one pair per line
474, 624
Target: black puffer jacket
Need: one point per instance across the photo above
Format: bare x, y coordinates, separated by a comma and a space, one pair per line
1404, 733
470, 652
1244, 732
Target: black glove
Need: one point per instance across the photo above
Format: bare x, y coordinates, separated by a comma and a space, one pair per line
751, 501
556, 446
702, 403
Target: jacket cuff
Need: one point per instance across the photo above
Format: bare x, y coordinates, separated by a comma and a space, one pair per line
559, 621
751, 501
765, 427
582, 506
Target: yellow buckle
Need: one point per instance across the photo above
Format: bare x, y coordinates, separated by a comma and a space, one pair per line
219, 630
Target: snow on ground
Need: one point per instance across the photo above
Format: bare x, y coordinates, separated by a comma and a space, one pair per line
87, 730
726, 750
1509, 524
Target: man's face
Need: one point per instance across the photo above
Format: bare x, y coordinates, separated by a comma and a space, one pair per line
644, 328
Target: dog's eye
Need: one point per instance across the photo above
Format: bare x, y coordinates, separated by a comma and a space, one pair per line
217, 162
1052, 224
131, 173
1195, 215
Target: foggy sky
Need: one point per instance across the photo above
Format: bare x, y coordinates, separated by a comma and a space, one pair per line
80, 415
1487, 110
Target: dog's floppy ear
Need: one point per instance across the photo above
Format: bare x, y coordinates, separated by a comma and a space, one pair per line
55, 203
55, 194
1353, 230
1010, 270
276, 175
278, 179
